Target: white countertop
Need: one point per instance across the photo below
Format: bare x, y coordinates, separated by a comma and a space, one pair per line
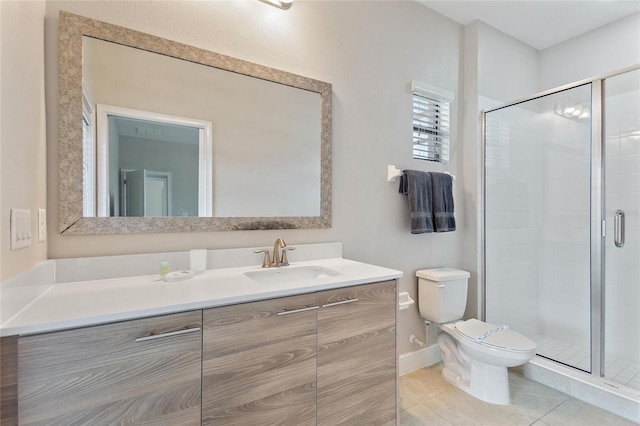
85, 303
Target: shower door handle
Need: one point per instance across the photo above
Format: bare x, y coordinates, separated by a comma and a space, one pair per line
618, 228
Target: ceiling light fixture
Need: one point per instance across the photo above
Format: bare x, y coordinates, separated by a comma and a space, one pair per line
281, 4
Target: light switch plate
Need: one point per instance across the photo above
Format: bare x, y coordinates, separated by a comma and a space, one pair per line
20, 228
42, 225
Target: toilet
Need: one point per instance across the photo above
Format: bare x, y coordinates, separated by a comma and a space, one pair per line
476, 354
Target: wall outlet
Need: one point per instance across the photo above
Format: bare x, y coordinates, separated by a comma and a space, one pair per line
42, 225
20, 228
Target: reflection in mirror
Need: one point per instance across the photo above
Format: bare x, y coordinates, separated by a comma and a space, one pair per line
263, 131
269, 156
132, 144
140, 150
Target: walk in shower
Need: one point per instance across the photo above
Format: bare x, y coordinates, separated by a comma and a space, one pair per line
562, 225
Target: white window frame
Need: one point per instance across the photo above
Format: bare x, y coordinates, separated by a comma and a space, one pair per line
431, 122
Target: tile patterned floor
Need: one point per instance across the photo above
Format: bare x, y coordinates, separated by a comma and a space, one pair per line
563, 352
619, 371
427, 399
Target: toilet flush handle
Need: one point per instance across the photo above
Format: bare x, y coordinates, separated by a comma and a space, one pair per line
440, 285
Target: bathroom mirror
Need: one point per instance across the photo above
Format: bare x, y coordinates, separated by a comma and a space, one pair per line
268, 163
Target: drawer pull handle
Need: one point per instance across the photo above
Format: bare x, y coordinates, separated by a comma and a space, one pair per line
168, 334
342, 302
295, 311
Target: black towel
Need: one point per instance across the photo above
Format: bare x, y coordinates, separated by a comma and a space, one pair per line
442, 202
417, 186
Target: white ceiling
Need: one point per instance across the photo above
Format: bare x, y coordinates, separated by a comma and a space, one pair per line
541, 23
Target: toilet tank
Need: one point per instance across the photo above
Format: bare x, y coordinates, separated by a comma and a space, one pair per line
442, 294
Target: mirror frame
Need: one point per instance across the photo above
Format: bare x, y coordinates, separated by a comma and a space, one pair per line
72, 29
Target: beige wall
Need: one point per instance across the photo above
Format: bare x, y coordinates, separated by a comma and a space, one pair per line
369, 51
22, 128
603, 50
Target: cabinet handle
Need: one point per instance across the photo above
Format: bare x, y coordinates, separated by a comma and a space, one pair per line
342, 302
168, 334
295, 311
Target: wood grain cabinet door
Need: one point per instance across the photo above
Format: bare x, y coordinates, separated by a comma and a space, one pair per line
145, 371
357, 355
259, 363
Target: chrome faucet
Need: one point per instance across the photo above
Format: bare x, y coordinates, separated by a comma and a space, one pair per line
279, 256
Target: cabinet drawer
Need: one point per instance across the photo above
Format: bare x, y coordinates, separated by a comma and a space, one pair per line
259, 363
373, 309
145, 370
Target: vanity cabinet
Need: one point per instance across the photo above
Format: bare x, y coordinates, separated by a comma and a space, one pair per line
325, 358
357, 355
139, 371
259, 363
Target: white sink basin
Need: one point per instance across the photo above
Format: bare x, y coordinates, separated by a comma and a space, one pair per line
290, 273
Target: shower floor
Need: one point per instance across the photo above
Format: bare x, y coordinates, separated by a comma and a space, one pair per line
619, 371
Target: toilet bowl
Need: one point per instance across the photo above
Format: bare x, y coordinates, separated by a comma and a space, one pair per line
475, 354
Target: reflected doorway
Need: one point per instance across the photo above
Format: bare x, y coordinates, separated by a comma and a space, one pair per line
145, 193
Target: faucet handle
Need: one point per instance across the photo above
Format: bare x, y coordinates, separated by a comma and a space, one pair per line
266, 261
285, 261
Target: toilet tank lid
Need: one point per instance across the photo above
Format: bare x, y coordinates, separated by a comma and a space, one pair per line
442, 274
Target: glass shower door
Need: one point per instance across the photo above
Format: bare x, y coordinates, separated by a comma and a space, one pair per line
538, 221
622, 236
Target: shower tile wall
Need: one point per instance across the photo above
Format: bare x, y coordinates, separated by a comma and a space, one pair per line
564, 298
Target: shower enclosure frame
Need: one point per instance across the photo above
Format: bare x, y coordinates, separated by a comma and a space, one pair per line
597, 226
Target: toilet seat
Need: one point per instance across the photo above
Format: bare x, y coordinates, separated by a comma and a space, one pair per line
493, 336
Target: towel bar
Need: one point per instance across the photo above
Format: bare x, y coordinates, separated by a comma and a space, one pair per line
393, 173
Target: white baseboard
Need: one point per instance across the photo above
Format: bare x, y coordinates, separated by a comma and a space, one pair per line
419, 359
